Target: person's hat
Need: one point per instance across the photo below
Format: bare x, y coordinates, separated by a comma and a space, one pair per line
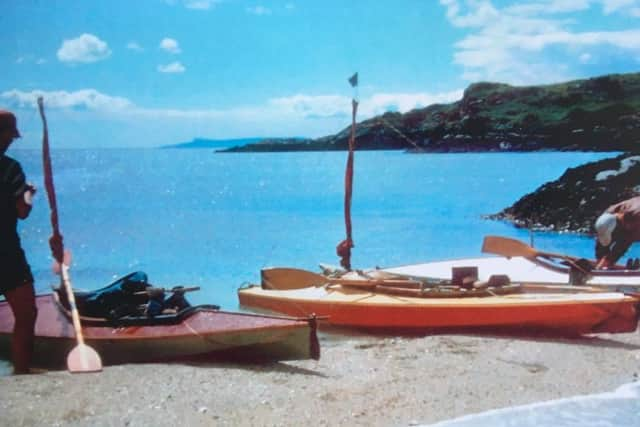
605, 224
8, 121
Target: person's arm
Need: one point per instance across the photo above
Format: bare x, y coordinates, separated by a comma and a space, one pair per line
615, 251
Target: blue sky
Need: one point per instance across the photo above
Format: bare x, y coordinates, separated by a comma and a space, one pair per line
119, 73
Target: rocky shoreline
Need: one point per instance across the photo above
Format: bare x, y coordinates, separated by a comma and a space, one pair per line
574, 201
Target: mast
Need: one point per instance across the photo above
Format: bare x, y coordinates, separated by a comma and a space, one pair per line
344, 248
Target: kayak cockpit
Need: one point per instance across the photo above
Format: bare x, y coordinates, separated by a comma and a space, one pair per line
130, 300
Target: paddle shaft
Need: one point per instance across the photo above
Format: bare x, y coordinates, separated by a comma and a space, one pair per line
174, 290
48, 178
72, 303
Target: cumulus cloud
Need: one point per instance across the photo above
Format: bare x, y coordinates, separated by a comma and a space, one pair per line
259, 10
200, 4
585, 58
298, 106
174, 67
28, 59
195, 4
170, 45
533, 41
134, 46
612, 6
86, 99
84, 49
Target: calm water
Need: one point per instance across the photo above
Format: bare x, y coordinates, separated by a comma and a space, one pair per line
213, 220
194, 217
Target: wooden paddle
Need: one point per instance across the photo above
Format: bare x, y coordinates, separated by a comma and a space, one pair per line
82, 357
508, 247
283, 278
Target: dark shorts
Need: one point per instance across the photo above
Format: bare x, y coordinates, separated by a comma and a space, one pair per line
15, 270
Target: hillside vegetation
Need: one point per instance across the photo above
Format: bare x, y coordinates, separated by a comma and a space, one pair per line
597, 114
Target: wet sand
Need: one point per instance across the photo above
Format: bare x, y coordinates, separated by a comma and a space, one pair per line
359, 380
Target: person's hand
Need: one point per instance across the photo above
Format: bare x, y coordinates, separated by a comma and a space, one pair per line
57, 247
28, 194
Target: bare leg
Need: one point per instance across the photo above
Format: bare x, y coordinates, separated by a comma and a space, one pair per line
23, 304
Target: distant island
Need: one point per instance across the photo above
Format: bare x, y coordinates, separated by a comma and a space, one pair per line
214, 143
596, 114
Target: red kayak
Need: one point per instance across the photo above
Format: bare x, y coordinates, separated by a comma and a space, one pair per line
196, 332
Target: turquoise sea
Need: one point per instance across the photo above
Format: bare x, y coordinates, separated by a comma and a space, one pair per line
195, 217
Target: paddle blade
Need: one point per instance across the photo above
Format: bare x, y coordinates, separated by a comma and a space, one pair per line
507, 247
83, 359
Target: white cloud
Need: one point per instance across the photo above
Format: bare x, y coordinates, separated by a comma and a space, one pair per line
127, 124
170, 45
89, 99
174, 67
403, 102
299, 105
259, 10
27, 59
200, 4
195, 4
84, 49
132, 45
533, 42
585, 58
612, 6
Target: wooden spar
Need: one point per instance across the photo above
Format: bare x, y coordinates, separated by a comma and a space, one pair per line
344, 248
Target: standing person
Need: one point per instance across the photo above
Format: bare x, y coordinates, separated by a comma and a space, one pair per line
617, 228
16, 280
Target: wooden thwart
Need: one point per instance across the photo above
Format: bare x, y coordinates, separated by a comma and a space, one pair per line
284, 278
293, 278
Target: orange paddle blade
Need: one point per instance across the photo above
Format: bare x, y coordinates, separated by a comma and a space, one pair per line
507, 247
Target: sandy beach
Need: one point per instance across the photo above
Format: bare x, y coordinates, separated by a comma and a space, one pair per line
359, 380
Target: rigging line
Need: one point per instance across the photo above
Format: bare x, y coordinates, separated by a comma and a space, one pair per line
402, 135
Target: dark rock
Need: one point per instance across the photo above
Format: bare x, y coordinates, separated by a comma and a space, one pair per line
578, 197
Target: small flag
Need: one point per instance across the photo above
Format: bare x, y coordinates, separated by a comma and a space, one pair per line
354, 80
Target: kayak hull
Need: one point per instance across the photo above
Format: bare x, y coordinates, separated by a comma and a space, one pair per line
204, 333
530, 310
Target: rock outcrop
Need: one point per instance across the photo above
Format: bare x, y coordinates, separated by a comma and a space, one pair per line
578, 197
